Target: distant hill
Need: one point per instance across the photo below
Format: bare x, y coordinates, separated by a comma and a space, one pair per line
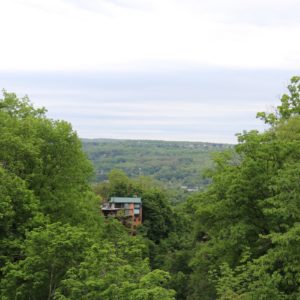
176, 164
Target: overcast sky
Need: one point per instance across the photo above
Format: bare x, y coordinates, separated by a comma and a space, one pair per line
157, 69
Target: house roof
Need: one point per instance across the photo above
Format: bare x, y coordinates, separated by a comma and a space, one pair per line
125, 200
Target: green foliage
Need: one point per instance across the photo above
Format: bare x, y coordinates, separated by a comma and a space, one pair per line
47, 155
54, 241
247, 222
18, 213
239, 239
290, 105
110, 272
158, 216
166, 228
119, 184
49, 252
175, 164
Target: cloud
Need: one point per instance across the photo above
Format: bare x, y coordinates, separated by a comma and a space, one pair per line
181, 104
255, 12
100, 4
97, 35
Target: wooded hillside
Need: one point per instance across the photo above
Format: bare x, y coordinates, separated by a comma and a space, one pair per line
55, 243
175, 164
237, 239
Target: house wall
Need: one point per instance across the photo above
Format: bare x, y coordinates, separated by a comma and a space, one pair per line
130, 210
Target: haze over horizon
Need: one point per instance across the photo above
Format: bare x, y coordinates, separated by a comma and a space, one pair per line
158, 70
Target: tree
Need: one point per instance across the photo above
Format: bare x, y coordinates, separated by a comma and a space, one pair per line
18, 214
110, 272
47, 155
54, 241
247, 221
290, 105
49, 253
158, 216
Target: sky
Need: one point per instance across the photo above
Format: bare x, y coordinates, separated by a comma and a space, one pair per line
151, 69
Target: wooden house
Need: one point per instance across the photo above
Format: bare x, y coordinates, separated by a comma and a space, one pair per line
128, 210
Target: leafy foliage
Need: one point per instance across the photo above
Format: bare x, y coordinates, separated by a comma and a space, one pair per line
53, 237
247, 222
122, 275
175, 164
238, 239
158, 216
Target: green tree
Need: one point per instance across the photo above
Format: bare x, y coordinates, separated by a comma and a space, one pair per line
18, 214
246, 230
290, 105
115, 270
49, 253
54, 243
47, 155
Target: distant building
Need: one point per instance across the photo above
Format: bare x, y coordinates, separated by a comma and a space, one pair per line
190, 189
128, 210
194, 189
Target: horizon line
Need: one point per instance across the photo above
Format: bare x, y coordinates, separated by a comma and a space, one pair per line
156, 140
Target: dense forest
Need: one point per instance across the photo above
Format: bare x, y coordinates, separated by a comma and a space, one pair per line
237, 239
175, 164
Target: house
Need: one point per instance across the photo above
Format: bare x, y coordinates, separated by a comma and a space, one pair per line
128, 210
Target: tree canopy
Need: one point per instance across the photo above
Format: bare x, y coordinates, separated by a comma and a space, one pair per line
238, 239
247, 222
54, 241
